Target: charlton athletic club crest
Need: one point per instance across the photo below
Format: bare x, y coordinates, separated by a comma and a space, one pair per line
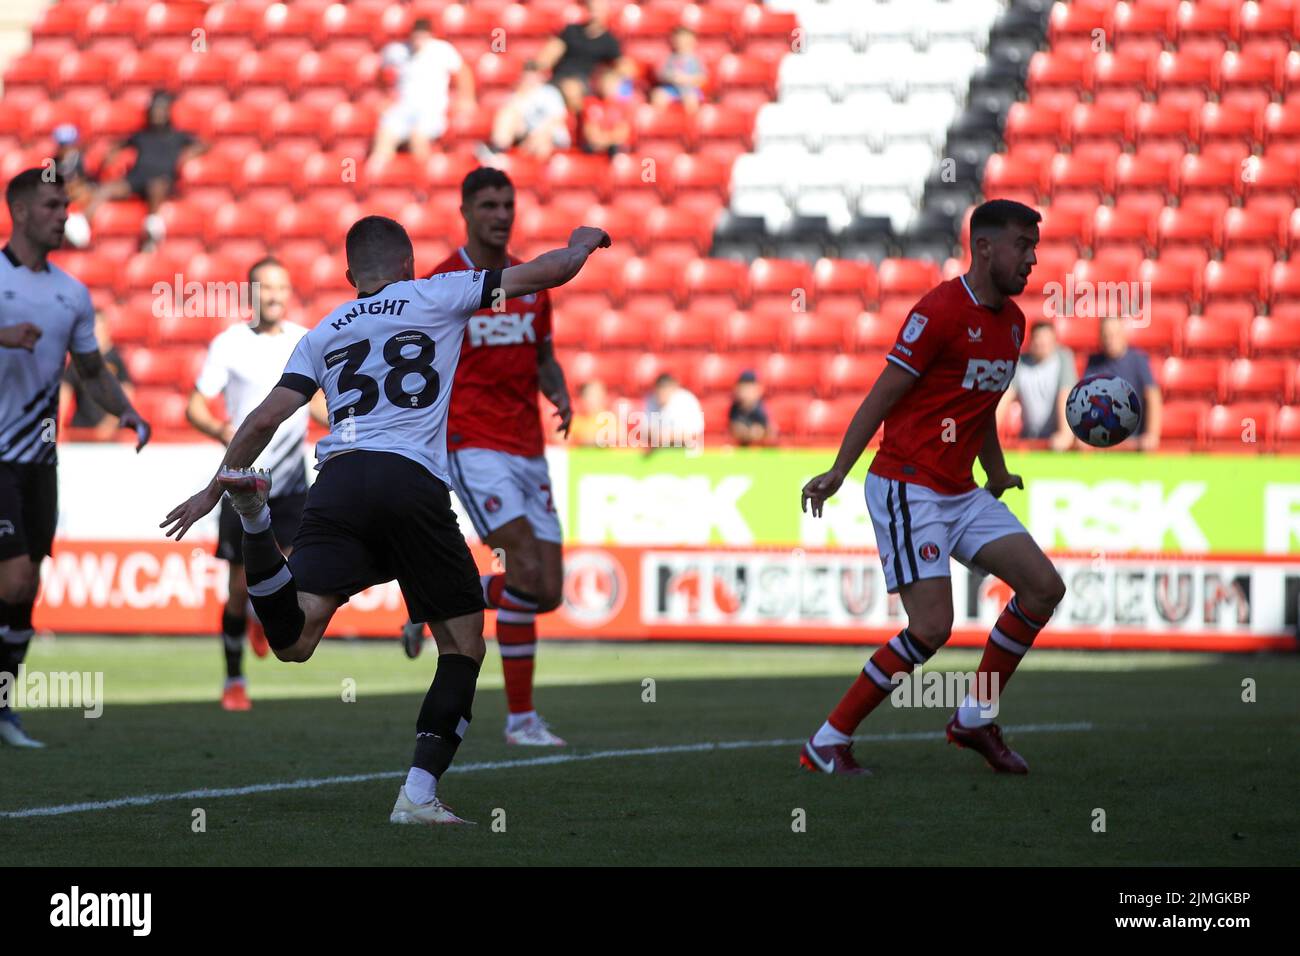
492, 505
1015, 336
928, 551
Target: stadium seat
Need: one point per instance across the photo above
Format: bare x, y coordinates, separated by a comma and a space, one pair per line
714, 279
1048, 70
1219, 332
1182, 423
755, 331
1269, 336
1242, 427
615, 330
1034, 123
825, 421
873, 333
781, 373
848, 375
1286, 430
818, 331
1177, 226
1237, 281
1259, 379
1192, 378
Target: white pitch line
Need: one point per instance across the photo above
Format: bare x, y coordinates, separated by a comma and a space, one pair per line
311, 783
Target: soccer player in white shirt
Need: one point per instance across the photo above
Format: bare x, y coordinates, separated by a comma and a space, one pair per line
381, 508
44, 314
242, 365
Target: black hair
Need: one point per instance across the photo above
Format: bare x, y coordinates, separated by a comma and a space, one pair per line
24, 185
376, 247
485, 177
997, 214
261, 264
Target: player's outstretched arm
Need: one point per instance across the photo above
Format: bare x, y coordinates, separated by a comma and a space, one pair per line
555, 267
105, 389
894, 382
250, 441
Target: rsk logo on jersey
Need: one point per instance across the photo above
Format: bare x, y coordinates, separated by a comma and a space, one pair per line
988, 376
507, 329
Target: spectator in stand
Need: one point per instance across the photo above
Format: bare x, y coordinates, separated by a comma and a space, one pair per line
1132, 365
86, 412
535, 119
1044, 377
573, 56
674, 416
71, 165
593, 415
606, 119
160, 149
418, 115
747, 418
682, 76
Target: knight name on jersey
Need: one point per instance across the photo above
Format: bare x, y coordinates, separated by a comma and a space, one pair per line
987, 375
509, 328
377, 307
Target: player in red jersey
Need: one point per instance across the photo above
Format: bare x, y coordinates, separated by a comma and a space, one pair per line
954, 357
496, 450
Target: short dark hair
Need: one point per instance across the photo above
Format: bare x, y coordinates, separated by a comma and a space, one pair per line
665, 378
24, 185
997, 214
262, 263
376, 246
422, 25
485, 177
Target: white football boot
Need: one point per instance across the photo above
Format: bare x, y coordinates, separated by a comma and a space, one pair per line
247, 488
431, 813
533, 733
12, 733
412, 639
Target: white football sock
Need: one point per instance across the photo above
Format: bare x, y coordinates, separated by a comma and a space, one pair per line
828, 736
258, 522
515, 721
969, 714
421, 786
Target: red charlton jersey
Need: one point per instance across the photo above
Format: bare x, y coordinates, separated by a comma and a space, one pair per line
494, 397
964, 355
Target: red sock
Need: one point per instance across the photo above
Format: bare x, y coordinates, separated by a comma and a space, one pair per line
899, 656
1010, 638
517, 641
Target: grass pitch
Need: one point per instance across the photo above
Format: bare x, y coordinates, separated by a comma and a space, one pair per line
1184, 770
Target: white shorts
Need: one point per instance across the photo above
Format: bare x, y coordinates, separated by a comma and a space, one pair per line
402, 120
918, 529
496, 487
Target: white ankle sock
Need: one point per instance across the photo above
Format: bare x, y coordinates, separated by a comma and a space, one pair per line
828, 736
258, 522
969, 714
421, 786
515, 721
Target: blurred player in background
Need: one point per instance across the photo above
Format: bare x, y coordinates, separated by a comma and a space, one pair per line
44, 314
380, 509
498, 462
243, 364
937, 397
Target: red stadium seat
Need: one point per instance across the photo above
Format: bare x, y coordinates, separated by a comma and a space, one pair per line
1259, 379
1284, 282
693, 330
816, 331
1161, 332
1282, 122
1219, 332
1178, 226
1199, 174
790, 373
1182, 424
718, 373
1242, 427
1269, 336
648, 277
1033, 122
1048, 70
1126, 228
617, 330
1251, 229
912, 277
1003, 174
1237, 282
1122, 71
1209, 18
826, 421
1274, 18
1088, 121
849, 375
714, 278
1221, 122
1071, 172
684, 227
844, 278
1193, 378
1286, 429
874, 333
789, 281
751, 330
739, 72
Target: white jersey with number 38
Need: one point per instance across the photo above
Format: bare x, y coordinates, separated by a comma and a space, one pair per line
386, 362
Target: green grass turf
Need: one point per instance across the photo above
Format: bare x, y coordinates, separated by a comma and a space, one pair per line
1185, 771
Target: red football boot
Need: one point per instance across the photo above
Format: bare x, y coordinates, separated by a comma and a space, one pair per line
257, 638
832, 758
987, 742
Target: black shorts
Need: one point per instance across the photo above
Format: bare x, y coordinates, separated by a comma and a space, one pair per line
286, 515
29, 510
375, 516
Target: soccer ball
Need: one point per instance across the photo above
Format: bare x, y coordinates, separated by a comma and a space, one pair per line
1103, 410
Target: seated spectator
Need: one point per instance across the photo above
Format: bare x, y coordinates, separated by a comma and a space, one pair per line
1044, 377
747, 420
592, 416
418, 115
1132, 365
580, 48
682, 76
606, 119
535, 119
86, 411
71, 165
160, 148
674, 416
